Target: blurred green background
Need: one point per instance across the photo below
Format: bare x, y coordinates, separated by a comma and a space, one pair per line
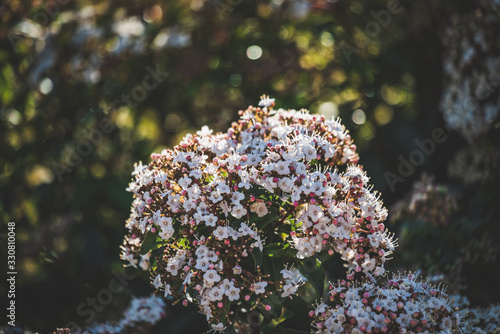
87, 88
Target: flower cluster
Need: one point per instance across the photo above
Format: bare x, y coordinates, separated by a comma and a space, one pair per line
207, 214
432, 203
482, 320
477, 163
471, 67
138, 318
402, 304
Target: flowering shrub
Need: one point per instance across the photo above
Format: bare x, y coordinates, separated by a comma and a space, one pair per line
138, 318
432, 203
471, 64
402, 304
217, 219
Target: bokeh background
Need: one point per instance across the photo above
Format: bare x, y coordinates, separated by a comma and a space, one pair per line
88, 88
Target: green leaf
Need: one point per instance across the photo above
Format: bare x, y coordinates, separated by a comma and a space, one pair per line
276, 306
257, 256
313, 270
151, 242
279, 249
260, 223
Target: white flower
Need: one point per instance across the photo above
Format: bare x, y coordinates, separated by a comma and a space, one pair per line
236, 197
265, 101
233, 293
210, 220
369, 264
202, 264
221, 232
184, 182
211, 277
282, 168
309, 152
259, 208
379, 271
167, 290
237, 270
289, 289
287, 274
187, 279
157, 283
205, 131
144, 264
259, 287
238, 211
216, 294
315, 213
218, 328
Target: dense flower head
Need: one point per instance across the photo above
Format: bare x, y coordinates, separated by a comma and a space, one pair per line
207, 214
401, 304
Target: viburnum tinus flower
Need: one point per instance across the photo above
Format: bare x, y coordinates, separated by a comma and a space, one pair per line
216, 219
138, 318
401, 304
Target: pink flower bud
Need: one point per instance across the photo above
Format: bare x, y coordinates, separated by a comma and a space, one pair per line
268, 308
153, 230
220, 305
311, 314
185, 302
247, 297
